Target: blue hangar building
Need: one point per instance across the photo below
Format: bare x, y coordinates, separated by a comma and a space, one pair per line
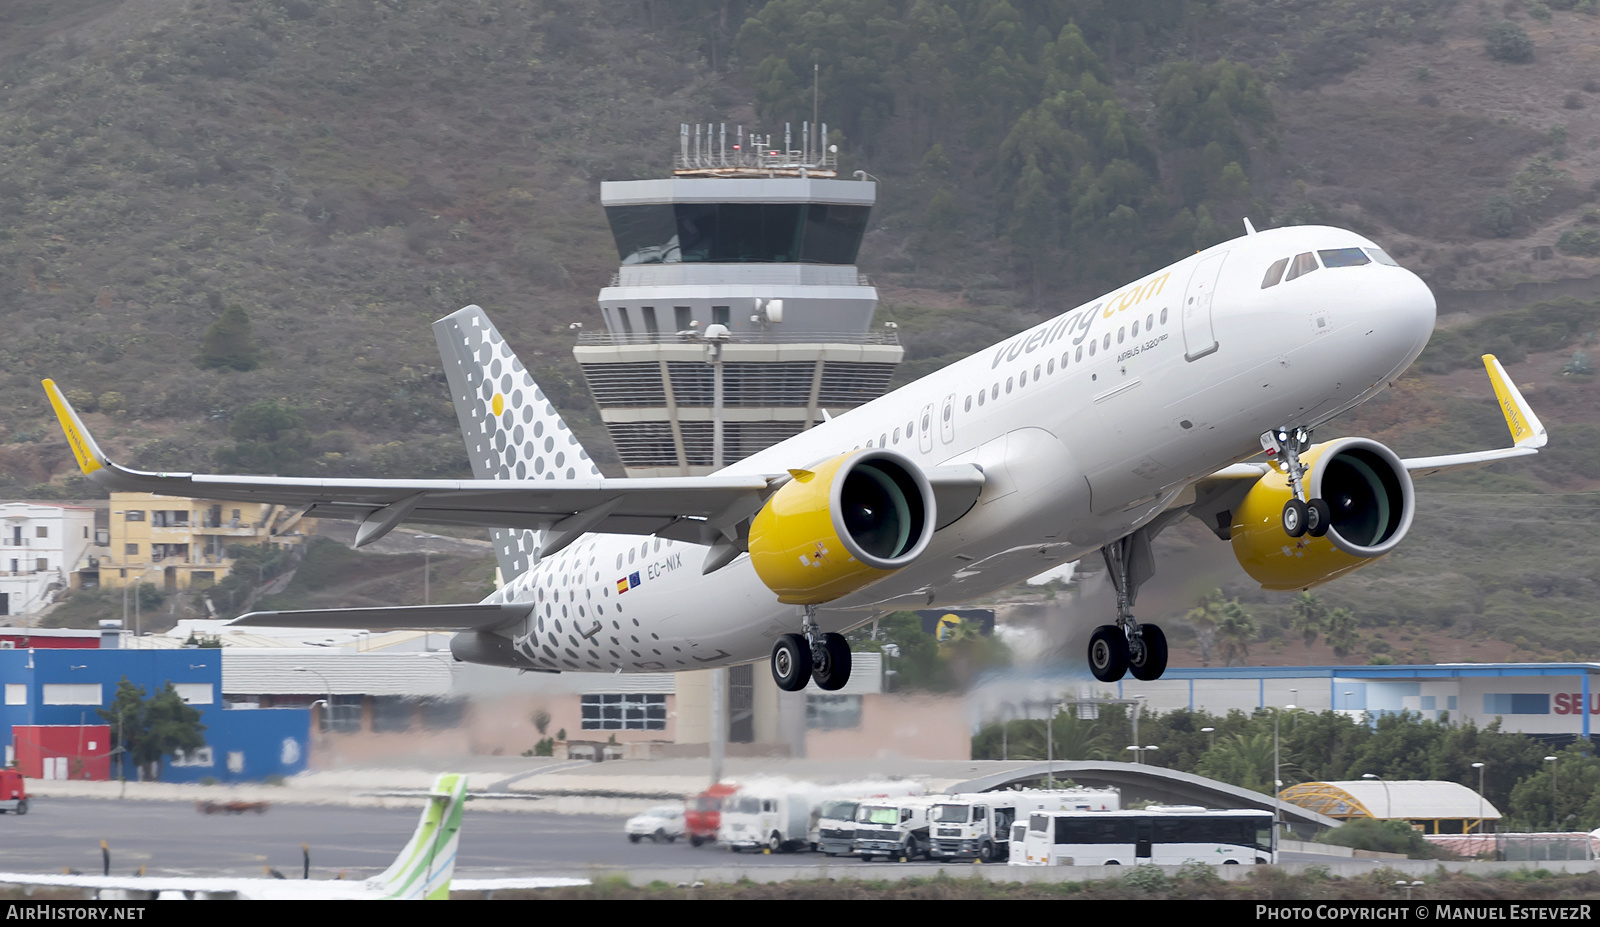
68, 687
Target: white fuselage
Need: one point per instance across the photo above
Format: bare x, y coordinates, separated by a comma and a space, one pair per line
1189, 366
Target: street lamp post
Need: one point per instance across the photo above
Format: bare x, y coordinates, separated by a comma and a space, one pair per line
1277, 779
1050, 745
1555, 819
1211, 736
1479, 768
427, 579
1388, 806
328, 727
1139, 752
1138, 703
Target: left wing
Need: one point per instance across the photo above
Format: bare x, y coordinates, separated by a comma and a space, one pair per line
1215, 495
1527, 432
1527, 436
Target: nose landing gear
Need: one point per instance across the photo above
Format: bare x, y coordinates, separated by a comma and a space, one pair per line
1301, 516
811, 655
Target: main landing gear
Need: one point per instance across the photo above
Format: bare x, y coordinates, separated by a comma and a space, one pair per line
811, 655
1128, 646
1301, 516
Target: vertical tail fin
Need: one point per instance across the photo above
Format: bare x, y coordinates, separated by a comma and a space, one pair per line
423, 869
513, 432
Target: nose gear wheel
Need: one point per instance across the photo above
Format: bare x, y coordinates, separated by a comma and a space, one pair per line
1301, 515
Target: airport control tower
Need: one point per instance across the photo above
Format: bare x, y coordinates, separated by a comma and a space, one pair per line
737, 318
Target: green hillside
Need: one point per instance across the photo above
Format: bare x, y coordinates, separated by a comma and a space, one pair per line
226, 225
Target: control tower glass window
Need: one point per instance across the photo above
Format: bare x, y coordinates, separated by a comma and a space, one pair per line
738, 233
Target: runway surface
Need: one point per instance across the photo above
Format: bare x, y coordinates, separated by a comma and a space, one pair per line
173, 838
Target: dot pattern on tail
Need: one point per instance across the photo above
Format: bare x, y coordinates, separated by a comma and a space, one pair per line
512, 430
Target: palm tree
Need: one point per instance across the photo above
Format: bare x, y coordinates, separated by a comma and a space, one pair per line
1077, 739
1235, 632
1309, 617
1204, 618
1341, 632
1244, 760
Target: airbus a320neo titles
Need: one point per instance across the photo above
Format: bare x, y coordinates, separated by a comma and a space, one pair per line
1193, 391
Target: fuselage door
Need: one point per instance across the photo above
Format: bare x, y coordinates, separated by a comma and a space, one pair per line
1198, 337
925, 429
947, 419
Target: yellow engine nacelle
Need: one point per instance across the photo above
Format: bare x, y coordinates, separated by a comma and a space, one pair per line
841, 525
1369, 491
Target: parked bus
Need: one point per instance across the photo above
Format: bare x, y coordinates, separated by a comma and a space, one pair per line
1164, 836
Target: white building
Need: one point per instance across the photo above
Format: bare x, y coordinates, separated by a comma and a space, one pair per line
1555, 700
40, 547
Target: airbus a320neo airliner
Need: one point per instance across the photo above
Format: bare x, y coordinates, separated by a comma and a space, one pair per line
1193, 391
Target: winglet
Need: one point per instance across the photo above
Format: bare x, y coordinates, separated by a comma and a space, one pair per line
90, 457
1526, 429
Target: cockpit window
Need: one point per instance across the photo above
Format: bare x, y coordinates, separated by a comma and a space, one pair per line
1343, 257
1382, 257
1303, 264
1274, 273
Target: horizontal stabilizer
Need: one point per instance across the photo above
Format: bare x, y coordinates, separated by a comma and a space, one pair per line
402, 618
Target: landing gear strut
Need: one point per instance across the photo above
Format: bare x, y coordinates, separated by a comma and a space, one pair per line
811, 654
1301, 516
1128, 645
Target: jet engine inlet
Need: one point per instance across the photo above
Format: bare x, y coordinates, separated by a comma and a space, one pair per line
841, 525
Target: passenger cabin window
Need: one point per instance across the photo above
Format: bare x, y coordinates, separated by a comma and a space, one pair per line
1274, 273
1303, 264
1343, 257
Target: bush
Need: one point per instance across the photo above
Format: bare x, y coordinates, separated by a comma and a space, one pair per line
229, 343
1506, 41
1382, 837
1499, 217
1583, 242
